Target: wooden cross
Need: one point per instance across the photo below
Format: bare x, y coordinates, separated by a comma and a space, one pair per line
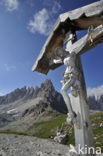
79, 19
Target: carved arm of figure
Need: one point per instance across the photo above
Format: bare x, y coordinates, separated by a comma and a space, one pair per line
57, 60
90, 31
59, 53
83, 42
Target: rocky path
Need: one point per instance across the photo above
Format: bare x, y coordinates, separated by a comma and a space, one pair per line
16, 145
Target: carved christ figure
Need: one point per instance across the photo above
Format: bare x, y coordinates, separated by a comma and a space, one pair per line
71, 74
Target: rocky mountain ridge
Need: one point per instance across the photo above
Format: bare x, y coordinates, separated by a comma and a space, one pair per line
48, 97
23, 107
41, 97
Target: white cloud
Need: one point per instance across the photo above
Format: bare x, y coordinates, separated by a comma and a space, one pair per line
97, 92
40, 23
11, 5
1, 94
44, 19
9, 67
56, 7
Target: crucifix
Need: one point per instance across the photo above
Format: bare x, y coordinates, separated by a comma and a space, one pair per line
54, 54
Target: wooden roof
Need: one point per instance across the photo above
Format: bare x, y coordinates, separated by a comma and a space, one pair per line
79, 19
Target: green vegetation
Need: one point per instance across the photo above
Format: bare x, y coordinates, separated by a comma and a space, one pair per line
49, 128
96, 115
46, 129
8, 131
97, 131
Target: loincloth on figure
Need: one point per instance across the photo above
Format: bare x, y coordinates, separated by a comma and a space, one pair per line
70, 75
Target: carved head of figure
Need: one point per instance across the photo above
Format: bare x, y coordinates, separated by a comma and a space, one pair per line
60, 52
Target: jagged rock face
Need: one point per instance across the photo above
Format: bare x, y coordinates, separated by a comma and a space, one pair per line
50, 98
47, 97
54, 98
5, 119
13, 96
101, 102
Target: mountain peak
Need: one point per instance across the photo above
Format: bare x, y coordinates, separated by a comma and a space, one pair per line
47, 85
50, 97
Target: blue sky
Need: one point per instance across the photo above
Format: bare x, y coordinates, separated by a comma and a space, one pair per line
24, 28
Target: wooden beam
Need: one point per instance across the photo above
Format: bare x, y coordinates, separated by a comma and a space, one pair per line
44, 65
97, 37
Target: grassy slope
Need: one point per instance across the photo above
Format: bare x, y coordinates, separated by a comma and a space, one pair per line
49, 128
97, 131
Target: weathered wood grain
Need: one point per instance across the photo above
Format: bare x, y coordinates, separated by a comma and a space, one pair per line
97, 37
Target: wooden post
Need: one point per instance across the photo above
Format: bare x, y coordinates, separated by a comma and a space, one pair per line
83, 134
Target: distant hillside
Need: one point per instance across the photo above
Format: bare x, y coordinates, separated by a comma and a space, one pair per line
95, 98
24, 107
96, 104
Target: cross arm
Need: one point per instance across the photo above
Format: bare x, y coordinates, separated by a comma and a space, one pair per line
86, 43
89, 41
79, 47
